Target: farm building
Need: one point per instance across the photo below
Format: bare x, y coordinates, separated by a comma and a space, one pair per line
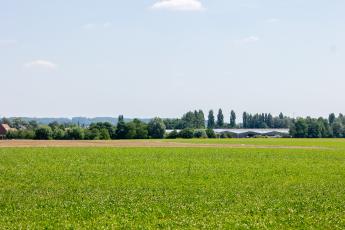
4, 128
246, 133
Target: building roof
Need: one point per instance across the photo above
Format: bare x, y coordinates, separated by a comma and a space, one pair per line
6, 127
256, 131
249, 131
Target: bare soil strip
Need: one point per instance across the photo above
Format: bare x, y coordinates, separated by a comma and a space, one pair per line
136, 143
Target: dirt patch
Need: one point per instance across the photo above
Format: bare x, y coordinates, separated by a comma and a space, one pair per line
136, 143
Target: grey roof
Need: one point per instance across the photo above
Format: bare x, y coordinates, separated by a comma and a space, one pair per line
252, 131
256, 131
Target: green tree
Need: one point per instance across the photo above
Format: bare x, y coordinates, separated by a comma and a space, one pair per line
245, 120
301, 128
141, 131
75, 133
211, 124
220, 119
331, 118
210, 133
92, 134
200, 133
337, 129
44, 133
58, 134
314, 129
187, 133
200, 119
173, 135
121, 129
104, 134
130, 130
232, 119
156, 128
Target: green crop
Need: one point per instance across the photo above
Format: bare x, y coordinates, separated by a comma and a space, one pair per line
150, 188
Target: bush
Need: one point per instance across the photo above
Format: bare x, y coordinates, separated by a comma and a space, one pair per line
187, 133
210, 133
200, 134
173, 135
59, 134
21, 134
75, 133
44, 133
92, 134
104, 134
156, 128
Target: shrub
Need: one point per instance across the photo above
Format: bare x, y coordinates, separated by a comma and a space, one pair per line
156, 128
187, 133
59, 134
210, 133
44, 133
200, 134
173, 135
75, 133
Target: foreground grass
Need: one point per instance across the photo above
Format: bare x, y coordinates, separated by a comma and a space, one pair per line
99, 188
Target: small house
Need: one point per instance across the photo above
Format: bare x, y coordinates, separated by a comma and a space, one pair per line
4, 129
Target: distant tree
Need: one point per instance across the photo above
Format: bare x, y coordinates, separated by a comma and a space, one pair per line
104, 125
21, 134
32, 125
44, 133
130, 130
200, 119
233, 119
92, 134
200, 133
314, 129
156, 128
173, 135
19, 123
7, 121
121, 129
187, 133
211, 121
104, 134
331, 118
269, 120
281, 116
220, 119
141, 131
337, 129
75, 133
301, 128
58, 134
245, 120
210, 133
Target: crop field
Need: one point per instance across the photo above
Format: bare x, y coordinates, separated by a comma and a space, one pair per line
188, 184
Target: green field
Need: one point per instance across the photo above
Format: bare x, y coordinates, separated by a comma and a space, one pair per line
150, 188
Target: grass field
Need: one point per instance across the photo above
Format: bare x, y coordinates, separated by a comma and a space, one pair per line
229, 186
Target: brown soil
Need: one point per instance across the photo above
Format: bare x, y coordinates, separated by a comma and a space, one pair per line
133, 143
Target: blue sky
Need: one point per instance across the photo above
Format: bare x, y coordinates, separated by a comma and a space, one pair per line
150, 57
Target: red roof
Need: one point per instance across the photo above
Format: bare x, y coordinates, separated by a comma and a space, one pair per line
4, 128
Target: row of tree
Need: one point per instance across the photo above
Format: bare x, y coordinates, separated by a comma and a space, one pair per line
265, 120
192, 124
135, 129
333, 127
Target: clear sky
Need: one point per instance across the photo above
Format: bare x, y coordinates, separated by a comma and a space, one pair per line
149, 57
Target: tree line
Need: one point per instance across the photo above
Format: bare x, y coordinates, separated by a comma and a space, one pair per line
191, 125
333, 127
135, 129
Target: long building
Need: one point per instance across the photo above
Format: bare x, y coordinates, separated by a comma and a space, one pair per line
243, 133
246, 133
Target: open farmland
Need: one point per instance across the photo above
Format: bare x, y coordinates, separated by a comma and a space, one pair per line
232, 183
